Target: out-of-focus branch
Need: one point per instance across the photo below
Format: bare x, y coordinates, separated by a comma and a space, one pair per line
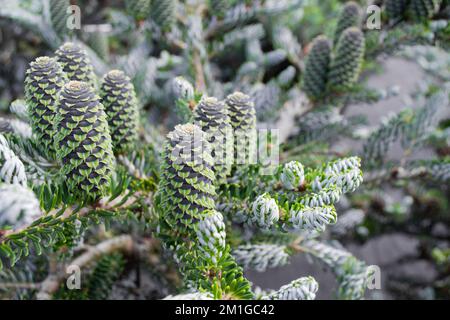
52, 283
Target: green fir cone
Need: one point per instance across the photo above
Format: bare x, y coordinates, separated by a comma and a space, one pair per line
317, 67
43, 82
211, 116
424, 9
59, 17
82, 142
163, 13
121, 107
138, 9
347, 62
188, 222
242, 115
186, 188
219, 7
396, 9
76, 63
350, 16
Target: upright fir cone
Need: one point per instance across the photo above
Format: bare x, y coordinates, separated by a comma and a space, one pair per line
350, 16
43, 82
211, 116
242, 115
163, 13
186, 188
317, 67
424, 9
138, 9
82, 141
346, 64
76, 63
219, 7
396, 9
120, 102
59, 16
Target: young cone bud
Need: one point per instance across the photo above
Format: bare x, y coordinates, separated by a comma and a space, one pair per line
293, 175
265, 212
211, 235
182, 89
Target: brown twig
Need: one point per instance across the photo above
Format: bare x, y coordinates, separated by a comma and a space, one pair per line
292, 109
394, 174
19, 285
200, 82
52, 283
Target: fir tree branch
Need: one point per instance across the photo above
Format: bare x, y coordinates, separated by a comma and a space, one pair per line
52, 283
